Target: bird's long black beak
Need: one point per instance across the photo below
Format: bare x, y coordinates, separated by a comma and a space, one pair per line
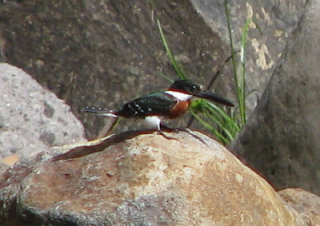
214, 97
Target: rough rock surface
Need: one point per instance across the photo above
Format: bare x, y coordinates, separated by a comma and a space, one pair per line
31, 117
145, 180
305, 203
281, 139
104, 53
271, 26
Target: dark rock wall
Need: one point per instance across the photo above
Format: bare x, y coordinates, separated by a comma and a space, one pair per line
104, 53
271, 26
281, 139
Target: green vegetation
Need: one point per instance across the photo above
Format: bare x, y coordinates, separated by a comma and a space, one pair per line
225, 126
239, 77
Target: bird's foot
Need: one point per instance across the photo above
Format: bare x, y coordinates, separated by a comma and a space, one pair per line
165, 136
177, 130
169, 129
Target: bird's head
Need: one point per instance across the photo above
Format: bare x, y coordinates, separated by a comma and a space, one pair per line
186, 86
197, 90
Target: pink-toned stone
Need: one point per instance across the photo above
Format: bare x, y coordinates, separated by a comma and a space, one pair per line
149, 180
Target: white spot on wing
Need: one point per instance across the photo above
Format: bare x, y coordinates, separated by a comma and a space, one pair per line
178, 95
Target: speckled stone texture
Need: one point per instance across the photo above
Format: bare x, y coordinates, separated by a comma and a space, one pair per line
281, 138
142, 180
32, 119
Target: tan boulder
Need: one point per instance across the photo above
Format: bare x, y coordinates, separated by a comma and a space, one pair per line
144, 180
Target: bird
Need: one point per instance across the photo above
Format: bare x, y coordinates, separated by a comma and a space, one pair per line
157, 106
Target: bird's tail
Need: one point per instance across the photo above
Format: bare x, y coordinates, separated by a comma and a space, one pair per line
100, 111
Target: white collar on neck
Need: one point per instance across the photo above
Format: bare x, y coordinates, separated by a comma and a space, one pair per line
178, 95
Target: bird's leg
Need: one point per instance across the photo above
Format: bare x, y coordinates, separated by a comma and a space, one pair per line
160, 127
164, 127
167, 128
165, 136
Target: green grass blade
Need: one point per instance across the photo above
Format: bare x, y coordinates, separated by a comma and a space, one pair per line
241, 85
171, 56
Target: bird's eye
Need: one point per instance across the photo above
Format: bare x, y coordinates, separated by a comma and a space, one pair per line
195, 89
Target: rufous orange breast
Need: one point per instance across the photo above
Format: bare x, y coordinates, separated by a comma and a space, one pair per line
179, 109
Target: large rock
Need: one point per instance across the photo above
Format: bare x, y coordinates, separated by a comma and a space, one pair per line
281, 139
271, 26
114, 33
104, 53
145, 180
32, 119
305, 203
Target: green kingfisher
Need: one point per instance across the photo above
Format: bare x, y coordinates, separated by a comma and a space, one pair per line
168, 104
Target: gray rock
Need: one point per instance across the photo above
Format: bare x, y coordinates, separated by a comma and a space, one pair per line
305, 203
276, 21
281, 139
31, 117
104, 53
